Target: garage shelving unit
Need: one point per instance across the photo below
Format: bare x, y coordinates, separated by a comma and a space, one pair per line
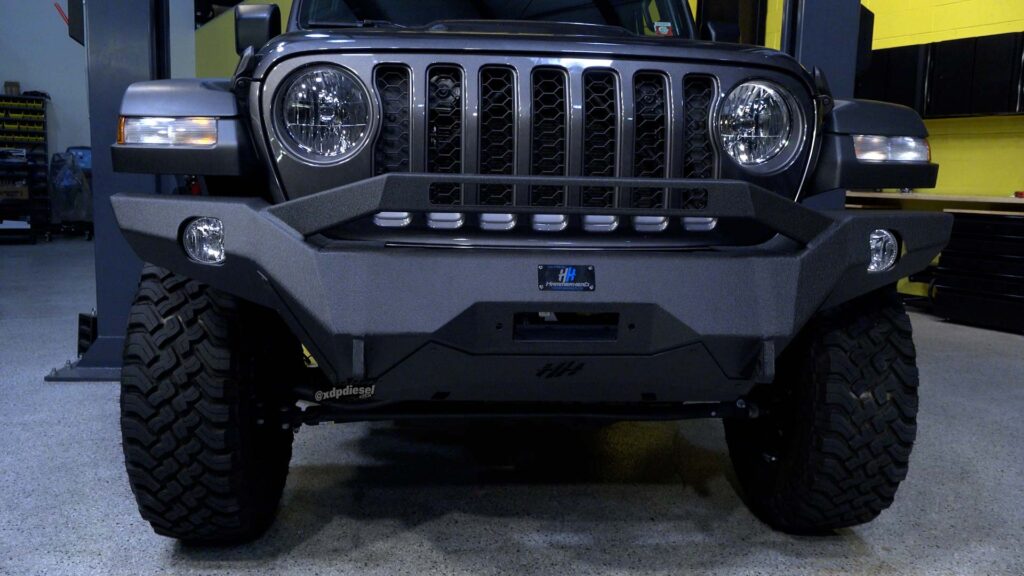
24, 188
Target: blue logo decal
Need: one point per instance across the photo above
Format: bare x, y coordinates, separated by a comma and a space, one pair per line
567, 274
565, 277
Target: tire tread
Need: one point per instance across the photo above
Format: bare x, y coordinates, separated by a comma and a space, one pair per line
851, 432
188, 411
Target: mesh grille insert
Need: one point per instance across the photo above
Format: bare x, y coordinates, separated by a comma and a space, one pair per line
698, 153
497, 132
391, 153
650, 137
444, 131
550, 123
600, 135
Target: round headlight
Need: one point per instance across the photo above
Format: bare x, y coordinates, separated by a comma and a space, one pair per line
755, 123
323, 114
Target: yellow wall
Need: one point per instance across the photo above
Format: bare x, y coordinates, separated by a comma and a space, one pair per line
773, 24
215, 42
907, 22
978, 156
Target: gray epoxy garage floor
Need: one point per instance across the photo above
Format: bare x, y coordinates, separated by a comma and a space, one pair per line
375, 499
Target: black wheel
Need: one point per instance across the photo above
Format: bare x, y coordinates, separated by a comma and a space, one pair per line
204, 410
840, 421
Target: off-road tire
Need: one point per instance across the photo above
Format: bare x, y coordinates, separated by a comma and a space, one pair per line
206, 440
840, 421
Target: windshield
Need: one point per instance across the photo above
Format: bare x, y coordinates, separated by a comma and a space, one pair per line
657, 18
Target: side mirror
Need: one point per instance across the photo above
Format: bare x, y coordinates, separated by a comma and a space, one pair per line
255, 25
717, 31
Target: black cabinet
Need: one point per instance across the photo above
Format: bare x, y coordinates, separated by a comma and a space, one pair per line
996, 83
896, 75
971, 76
976, 76
949, 83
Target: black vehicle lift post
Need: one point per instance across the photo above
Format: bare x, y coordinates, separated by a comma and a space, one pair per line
127, 42
824, 35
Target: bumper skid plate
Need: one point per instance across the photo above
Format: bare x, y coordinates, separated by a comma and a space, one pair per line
408, 324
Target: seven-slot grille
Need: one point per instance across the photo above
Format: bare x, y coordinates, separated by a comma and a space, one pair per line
546, 121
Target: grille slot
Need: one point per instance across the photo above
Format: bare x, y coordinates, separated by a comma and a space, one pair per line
600, 135
650, 136
444, 131
391, 153
550, 134
497, 131
698, 152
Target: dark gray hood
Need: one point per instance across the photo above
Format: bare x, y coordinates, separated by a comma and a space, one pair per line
585, 41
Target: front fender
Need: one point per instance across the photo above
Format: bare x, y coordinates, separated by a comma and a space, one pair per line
232, 155
838, 166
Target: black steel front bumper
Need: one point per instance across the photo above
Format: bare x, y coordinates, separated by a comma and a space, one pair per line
428, 323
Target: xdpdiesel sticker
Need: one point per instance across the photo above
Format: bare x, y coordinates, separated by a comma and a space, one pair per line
349, 392
566, 277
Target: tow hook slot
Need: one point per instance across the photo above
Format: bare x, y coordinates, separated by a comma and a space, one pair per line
765, 373
565, 326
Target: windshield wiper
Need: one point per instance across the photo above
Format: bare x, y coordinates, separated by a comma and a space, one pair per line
356, 24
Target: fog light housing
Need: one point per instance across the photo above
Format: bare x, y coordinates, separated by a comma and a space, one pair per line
203, 240
884, 250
